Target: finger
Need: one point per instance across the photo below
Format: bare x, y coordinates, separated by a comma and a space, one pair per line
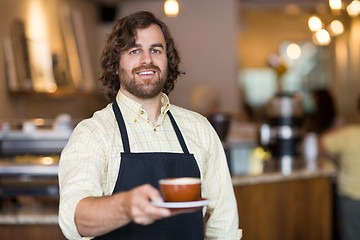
152, 193
144, 221
157, 212
150, 214
143, 206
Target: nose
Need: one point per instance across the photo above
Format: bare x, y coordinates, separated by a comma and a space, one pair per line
146, 58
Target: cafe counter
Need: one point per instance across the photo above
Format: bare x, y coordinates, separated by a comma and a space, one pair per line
29, 198
30, 218
323, 169
295, 205
271, 205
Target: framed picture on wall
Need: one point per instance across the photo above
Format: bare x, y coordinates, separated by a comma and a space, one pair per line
76, 49
41, 66
17, 59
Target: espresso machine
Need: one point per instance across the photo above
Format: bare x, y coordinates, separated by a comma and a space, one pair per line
282, 133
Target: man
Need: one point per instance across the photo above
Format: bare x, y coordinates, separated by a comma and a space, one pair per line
110, 168
343, 143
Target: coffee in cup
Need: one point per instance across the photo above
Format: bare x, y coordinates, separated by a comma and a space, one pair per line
182, 189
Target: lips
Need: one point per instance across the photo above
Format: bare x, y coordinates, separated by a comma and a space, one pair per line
146, 73
148, 70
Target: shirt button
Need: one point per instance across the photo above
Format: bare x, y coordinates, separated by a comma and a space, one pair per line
135, 120
154, 129
141, 112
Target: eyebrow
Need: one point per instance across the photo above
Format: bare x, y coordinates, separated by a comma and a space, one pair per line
157, 45
152, 45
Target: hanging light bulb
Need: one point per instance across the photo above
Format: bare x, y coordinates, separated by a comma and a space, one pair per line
335, 4
314, 23
171, 8
293, 51
336, 28
322, 37
354, 8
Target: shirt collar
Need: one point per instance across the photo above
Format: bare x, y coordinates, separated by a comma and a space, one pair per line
165, 103
133, 110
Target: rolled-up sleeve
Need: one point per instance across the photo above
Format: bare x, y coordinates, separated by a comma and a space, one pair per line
80, 173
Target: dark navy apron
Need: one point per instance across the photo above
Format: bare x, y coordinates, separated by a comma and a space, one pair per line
140, 168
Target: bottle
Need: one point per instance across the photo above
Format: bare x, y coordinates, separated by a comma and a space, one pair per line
311, 150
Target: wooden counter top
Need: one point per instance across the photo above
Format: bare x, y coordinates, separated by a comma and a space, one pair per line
327, 169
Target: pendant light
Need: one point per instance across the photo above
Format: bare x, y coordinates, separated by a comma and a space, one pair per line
354, 8
314, 23
336, 28
335, 5
171, 8
322, 37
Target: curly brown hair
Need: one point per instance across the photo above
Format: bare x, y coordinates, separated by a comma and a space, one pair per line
123, 37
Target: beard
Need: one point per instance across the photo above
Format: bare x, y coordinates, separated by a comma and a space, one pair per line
145, 88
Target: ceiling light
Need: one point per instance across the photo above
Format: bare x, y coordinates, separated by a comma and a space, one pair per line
335, 4
322, 37
293, 51
354, 8
336, 28
171, 8
314, 23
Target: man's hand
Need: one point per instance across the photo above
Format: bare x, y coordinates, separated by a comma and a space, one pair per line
136, 204
96, 216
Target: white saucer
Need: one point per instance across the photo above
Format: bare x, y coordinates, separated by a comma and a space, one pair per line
193, 204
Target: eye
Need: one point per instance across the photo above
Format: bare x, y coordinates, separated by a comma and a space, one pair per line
134, 51
156, 51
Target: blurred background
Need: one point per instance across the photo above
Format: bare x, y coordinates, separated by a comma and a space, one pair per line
256, 68
237, 47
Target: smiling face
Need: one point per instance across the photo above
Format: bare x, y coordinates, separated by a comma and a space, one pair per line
143, 68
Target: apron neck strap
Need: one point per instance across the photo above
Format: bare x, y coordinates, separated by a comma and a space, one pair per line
178, 133
124, 135
122, 128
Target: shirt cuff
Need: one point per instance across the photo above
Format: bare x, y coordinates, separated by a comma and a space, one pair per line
67, 216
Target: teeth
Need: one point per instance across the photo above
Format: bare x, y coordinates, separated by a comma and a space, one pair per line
146, 73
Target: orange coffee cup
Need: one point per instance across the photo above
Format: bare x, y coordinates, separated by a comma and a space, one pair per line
182, 189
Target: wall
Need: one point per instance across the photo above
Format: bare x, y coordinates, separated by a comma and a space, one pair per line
21, 106
262, 32
205, 33
210, 45
346, 83
206, 40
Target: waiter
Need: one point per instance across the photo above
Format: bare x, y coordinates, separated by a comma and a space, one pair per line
109, 170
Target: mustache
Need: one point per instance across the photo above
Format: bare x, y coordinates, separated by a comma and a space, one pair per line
146, 67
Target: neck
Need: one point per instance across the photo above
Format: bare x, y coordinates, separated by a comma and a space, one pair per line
152, 106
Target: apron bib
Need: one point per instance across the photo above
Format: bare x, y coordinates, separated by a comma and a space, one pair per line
139, 168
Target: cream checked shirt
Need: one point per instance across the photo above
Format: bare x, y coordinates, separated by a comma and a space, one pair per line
90, 162
346, 141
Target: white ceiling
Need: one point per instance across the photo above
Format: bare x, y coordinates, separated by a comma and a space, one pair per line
251, 4
283, 3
